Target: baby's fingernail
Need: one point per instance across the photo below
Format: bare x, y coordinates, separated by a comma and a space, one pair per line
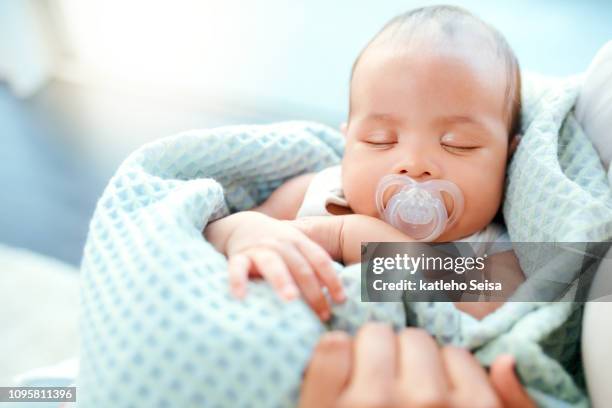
238, 293
324, 315
290, 292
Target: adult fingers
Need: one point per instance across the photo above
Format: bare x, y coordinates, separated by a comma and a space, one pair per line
507, 385
469, 382
421, 380
374, 362
322, 264
272, 268
238, 269
328, 371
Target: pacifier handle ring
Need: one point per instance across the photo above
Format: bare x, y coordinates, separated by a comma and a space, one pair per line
452, 189
387, 182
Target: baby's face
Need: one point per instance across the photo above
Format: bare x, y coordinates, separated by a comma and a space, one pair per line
428, 116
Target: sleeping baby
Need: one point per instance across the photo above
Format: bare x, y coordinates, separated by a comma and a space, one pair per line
433, 117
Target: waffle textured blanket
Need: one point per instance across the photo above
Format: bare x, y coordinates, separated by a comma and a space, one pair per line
160, 329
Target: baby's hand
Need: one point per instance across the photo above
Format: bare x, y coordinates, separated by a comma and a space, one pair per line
285, 257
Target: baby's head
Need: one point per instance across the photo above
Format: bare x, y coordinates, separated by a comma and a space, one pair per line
434, 95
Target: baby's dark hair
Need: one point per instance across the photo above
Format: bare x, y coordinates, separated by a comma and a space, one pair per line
450, 21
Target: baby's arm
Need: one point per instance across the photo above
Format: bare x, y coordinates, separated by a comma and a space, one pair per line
262, 243
285, 201
282, 204
342, 236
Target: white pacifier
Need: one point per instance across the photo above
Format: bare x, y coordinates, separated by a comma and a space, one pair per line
417, 209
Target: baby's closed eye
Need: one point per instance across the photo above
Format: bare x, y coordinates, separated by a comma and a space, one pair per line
456, 143
459, 148
380, 138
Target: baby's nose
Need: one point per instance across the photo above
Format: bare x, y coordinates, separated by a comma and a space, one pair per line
418, 168
419, 175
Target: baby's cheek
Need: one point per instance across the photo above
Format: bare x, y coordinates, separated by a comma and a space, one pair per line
359, 198
360, 194
482, 203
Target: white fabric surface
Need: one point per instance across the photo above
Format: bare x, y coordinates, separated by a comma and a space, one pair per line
594, 111
594, 106
39, 313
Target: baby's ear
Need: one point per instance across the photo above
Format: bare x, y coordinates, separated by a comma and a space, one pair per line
514, 142
343, 128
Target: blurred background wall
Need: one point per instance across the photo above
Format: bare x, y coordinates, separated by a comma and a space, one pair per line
83, 83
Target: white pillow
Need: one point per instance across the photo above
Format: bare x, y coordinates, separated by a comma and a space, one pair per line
594, 105
594, 112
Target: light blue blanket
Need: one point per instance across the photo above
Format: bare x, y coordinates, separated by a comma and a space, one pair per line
160, 329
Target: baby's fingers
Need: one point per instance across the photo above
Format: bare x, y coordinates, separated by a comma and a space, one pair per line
238, 268
272, 268
321, 262
306, 279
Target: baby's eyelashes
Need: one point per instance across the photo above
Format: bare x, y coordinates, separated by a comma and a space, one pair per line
450, 141
382, 140
460, 149
379, 144
449, 147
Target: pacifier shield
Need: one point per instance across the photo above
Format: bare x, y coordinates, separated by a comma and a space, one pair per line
415, 206
418, 209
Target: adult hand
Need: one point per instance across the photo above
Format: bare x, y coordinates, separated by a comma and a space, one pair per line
408, 370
